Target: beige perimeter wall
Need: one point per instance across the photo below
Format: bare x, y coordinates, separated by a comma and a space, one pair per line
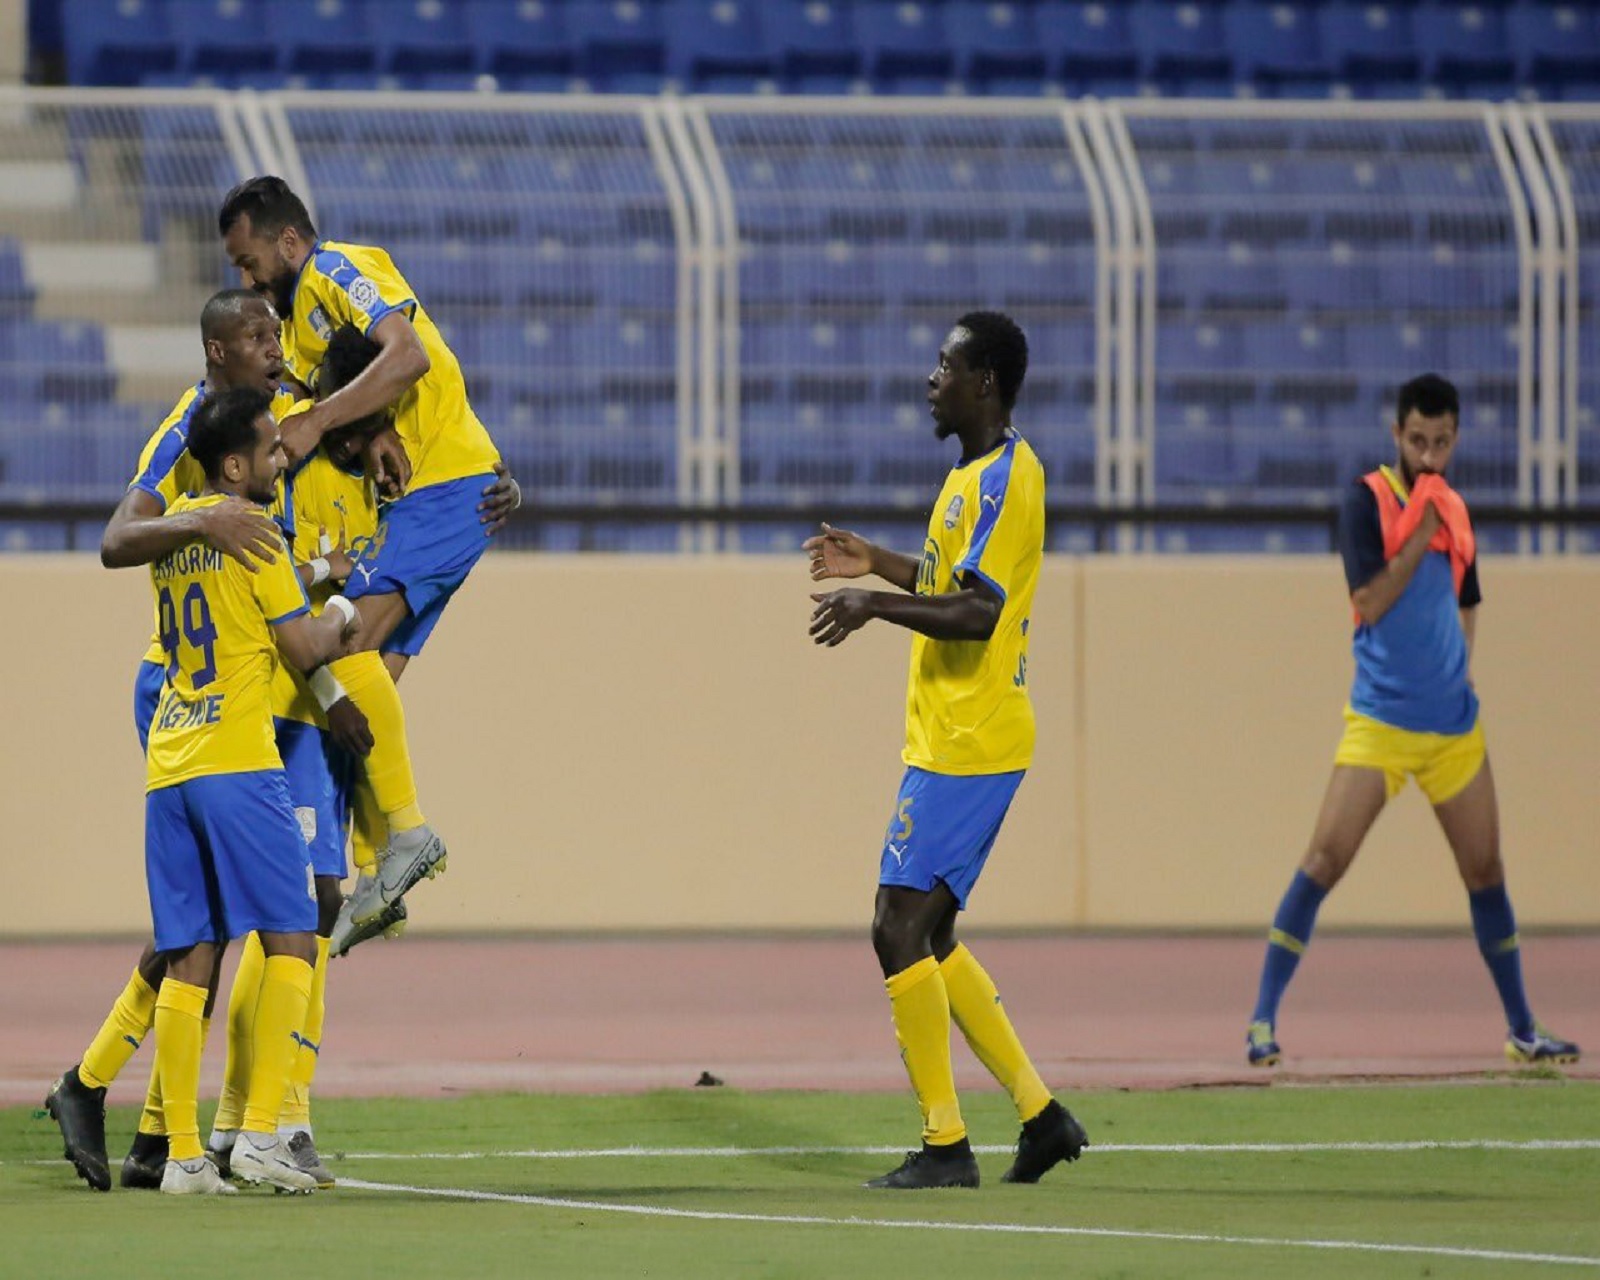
654, 743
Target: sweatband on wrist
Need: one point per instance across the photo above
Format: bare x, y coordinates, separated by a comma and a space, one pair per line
320, 569
343, 606
326, 688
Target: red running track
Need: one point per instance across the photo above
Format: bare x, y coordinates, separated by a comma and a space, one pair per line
434, 1016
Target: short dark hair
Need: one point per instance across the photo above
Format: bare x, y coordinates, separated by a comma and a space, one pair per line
349, 353
272, 206
1431, 396
224, 309
225, 423
998, 345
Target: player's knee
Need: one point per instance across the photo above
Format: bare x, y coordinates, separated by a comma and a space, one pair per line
1326, 864
898, 941
1483, 872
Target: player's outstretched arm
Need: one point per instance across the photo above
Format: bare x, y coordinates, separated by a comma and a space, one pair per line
138, 533
838, 553
969, 614
307, 642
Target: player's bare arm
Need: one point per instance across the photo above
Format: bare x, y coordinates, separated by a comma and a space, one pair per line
138, 533
1378, 595
400, 363
838, 553
308, 642
968, 614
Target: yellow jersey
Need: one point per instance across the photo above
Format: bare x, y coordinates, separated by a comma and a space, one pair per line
357, 284
166, 471
319, 496
215, 620
967, 704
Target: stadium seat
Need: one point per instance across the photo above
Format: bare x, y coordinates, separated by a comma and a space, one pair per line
1366, 44
116, 42
716, 45
620, 43
324, 37
519, 39
1275, 44
994, 41
813, 43
1554, 44
1181, 39
903, 45
1463, 43
1086, 41
16, 293
423, 37
221, 38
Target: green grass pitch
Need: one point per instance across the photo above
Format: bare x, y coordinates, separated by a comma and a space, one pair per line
767, 1185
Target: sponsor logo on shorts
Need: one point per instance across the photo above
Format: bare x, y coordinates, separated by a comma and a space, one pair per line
308, 823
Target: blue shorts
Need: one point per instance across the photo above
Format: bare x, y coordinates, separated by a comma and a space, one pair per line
426, 544
223, 856
943, 828
146, 694
319, 774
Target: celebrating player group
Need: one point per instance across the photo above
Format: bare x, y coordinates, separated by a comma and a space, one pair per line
306, 513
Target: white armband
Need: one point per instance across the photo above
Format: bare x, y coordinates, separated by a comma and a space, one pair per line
343, 606
320, 569
326, 688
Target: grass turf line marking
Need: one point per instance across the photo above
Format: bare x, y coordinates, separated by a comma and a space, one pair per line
1120, 1148
999, 1228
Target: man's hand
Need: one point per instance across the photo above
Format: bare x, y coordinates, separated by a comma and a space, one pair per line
242, 530
348, 727
838, 553
499, 500
340, 562
838, 613
302, 432
387, 463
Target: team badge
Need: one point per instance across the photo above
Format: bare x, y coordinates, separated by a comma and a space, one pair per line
952, 513
319, 322
364, 294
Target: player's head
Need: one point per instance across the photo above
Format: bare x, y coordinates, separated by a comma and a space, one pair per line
349, 353
267, 234
235, 440
239, 330
981, 367
1426, 423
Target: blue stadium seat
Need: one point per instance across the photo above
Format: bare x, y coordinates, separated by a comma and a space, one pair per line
1366, 44
16, 293
1463, 43
221, 38
714, 44
903, 45
994, 41
1306, 347
1275, 44
422, 37
620, 43
1390, 351
1036, 275
1336, 279
513, 39
1554, 44
1198, 347
324, 37
932, 273
115, 42
1086, 40
812, 43
1181, 39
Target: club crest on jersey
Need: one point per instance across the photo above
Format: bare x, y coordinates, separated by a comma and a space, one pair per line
319, 322
952, 513
364, 294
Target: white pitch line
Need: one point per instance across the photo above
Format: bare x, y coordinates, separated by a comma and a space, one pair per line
998, 1228
1120, 1148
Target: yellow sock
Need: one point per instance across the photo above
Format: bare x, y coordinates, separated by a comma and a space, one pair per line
120, 1034
280, 1017
153, 1119
368, 831
297, 1106
242, 1002
922, 1022
179, 1007
372, 688
975, 1007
